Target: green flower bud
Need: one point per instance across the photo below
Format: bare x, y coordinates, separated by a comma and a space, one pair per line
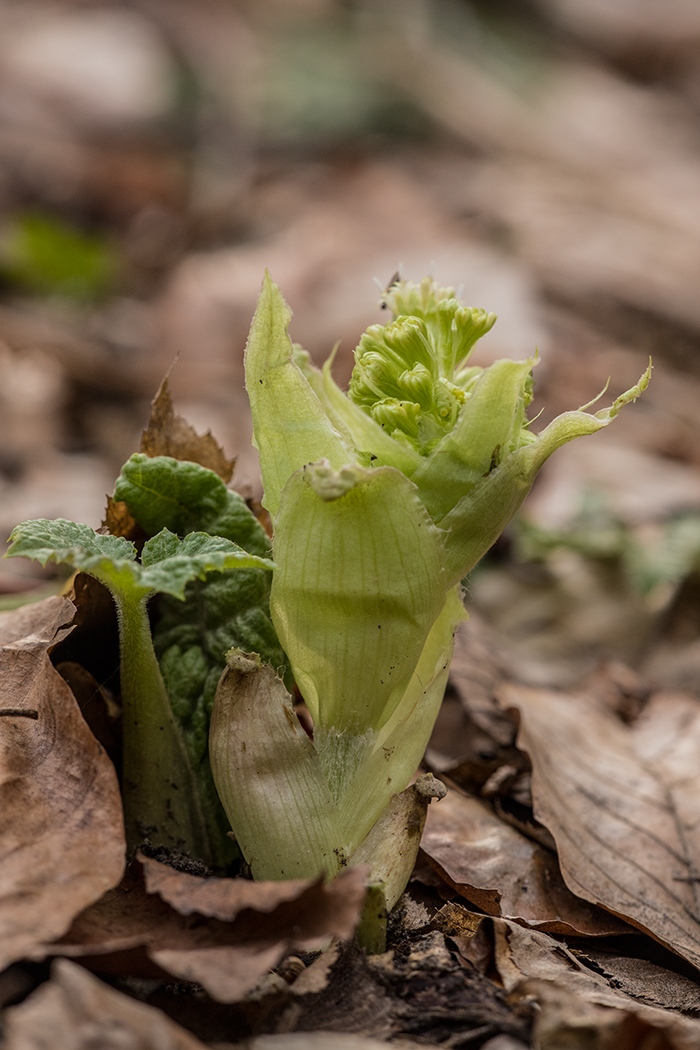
408, 337
469, 325
392, 415
417, 384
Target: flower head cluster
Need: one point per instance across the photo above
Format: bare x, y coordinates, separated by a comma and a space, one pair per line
411, 375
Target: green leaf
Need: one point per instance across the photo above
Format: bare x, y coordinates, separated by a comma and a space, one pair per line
110, 558
62, 541
291, 426
228, 609
169, 563
399, 747
366, 434
162, 492
478, 519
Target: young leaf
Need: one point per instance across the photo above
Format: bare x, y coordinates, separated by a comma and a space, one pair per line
357, 590
227, 610
160, 797
169, 563
162, 492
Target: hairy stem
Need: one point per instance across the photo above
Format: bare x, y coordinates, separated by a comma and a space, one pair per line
160, 796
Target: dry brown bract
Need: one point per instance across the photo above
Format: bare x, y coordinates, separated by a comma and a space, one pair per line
61, 825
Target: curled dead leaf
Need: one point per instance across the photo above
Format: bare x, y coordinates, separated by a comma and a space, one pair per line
240, 930
61, 820
574, 1000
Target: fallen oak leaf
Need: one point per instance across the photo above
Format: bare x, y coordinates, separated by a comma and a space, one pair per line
506, 874
61, 818
224, 934
75, 1011
621, 803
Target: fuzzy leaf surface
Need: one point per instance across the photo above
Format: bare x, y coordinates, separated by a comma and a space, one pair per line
168, 562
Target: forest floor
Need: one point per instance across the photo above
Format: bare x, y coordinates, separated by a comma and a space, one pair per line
156, 158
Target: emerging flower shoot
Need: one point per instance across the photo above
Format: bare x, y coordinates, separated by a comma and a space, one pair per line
382, 501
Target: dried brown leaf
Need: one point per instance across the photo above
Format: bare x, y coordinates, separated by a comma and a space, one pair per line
75, 1011
645, 981
94, 641
503, 872
473, 735
169, 434
240, 931
214, 897
98, 708
622, 804
61, 822
574, 999
119, 521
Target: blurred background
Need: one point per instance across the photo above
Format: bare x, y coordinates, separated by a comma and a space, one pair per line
543, 156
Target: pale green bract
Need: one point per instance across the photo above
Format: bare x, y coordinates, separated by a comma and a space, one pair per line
382, 501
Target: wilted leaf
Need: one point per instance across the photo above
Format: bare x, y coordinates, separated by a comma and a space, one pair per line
75, 1011
503, 872
61, 822
242, 928
622, 805
169, 434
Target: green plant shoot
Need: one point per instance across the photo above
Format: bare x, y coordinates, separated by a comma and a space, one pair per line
160, 796
230, 608
382, 501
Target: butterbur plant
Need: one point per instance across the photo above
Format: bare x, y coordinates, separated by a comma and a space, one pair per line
160, 789
382, 500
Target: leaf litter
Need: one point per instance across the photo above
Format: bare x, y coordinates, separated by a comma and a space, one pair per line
60, 810
621, 804
225, 934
